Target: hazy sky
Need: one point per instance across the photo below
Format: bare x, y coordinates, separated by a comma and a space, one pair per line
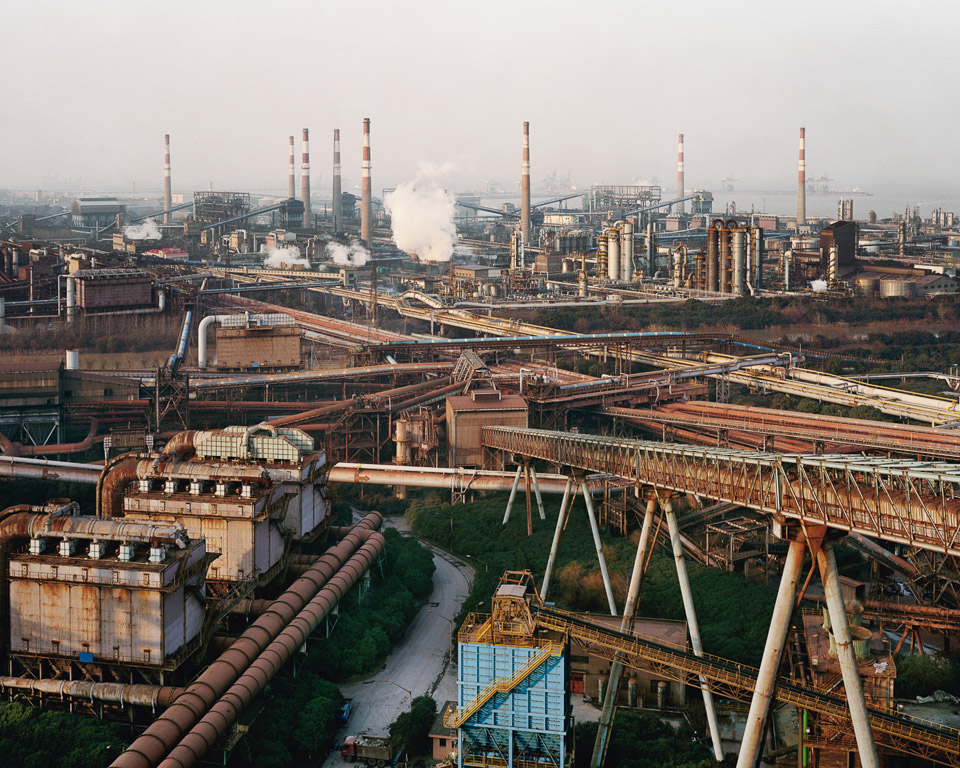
91, 87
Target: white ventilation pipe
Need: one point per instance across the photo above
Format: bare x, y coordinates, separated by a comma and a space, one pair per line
202, 337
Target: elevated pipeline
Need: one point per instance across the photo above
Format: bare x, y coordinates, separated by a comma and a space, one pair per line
219, 693
140, 695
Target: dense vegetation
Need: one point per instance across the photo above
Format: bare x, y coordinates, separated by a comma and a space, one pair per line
642, 740
410, 732
922, 675
34, 738
733, 612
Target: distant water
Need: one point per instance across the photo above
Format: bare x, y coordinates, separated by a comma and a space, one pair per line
825, 206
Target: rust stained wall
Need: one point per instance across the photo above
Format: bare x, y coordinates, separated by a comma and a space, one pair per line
112, 293
243, 348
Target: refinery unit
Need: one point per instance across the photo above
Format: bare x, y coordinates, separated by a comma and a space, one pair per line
211, 555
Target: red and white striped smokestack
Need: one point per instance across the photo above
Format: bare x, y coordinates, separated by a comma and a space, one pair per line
291, 175
366, 194
337, 195
305, 180
525, 186
167, 190
802, 183
680, 190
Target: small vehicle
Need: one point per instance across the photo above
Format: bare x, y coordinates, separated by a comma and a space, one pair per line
371, 750
344, 713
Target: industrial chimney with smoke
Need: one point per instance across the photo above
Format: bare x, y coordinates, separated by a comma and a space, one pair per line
366, 195
337, 195
525, 186
291, 180
305, 180
802, 184
167, 190
680, 206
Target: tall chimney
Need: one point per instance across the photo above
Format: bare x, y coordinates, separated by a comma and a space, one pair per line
802, 184
680, 206
337, 211
525, 186
366, 196
167, 191
305, 180
291, 180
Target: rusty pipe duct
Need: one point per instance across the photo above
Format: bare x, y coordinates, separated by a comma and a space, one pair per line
139, 695
197, 701
16, 449
59, 522
41, 469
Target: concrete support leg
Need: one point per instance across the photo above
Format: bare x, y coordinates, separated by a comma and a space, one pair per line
555, 546
526, 474
595, 530
626, 625
693, 626
536, 491
772, 653
513, 495
852, 684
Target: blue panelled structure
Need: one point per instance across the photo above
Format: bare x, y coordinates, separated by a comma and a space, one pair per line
513, 705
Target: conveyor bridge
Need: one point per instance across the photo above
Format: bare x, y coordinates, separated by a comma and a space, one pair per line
910, 502
728, 678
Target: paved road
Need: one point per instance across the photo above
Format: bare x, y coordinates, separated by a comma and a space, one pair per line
419, 663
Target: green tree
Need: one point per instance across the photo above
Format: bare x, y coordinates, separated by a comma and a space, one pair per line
410, 732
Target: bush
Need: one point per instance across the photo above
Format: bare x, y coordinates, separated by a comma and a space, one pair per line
34, 738
922, 675
410, 732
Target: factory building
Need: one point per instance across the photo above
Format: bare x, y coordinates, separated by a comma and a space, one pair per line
96, 212
262, 342
841, 235
468, 414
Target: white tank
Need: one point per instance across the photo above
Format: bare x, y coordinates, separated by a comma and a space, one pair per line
613, 254
73, 360
626, 258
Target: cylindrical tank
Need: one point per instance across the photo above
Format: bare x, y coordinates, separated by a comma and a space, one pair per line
72, 358
566, 266
723, 272
833, 264
602, 257
632, 692
868, 286
582, 284
739, 255
895, 287
613, 254
71, 298
626, 252
661, 694
756, 244
651, 251
713, 245
862, 638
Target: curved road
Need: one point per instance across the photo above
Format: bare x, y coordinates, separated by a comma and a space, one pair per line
419, 663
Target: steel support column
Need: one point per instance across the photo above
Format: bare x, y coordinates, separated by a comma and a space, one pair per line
536, 491
751, 744
595, 530
852, 684
692, 625
564, 507
513, 495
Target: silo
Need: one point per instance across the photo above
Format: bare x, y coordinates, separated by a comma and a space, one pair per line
613, 254
626, 252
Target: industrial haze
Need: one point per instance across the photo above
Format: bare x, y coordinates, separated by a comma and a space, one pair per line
91, 88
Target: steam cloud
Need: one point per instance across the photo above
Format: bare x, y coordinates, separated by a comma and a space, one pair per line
289, 256
146, 231
353, 255
818, 285
422, 216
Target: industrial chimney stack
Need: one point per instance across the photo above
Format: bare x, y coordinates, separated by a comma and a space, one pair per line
305, 180
167, 191
680, 206
337, 201
525, 186
291, 178
802, 184
366, 201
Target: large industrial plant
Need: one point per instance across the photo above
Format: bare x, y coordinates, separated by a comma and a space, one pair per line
216, 399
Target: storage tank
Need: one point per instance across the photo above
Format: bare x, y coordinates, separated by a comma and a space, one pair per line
613, 254
897, 287
626, 252
868, 286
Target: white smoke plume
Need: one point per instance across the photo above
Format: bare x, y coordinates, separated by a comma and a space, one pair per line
288, 255
818, 285
422, 216
353, 255
146, 231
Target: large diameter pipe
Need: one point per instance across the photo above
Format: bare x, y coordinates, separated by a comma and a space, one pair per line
772, 653
366, 190
202, 336
38, 522
433, 477
850, 670
139, 695
165, 733
206, 733
41, 469
305, 179
693, 625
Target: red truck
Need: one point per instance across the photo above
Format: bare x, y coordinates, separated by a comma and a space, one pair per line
371, 750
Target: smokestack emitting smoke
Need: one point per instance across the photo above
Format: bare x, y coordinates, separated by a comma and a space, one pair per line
525, 186
305, 179
291, 181
680, 206
802, 183
366, 196
422, 216
167, 191
337, 212
353, 255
